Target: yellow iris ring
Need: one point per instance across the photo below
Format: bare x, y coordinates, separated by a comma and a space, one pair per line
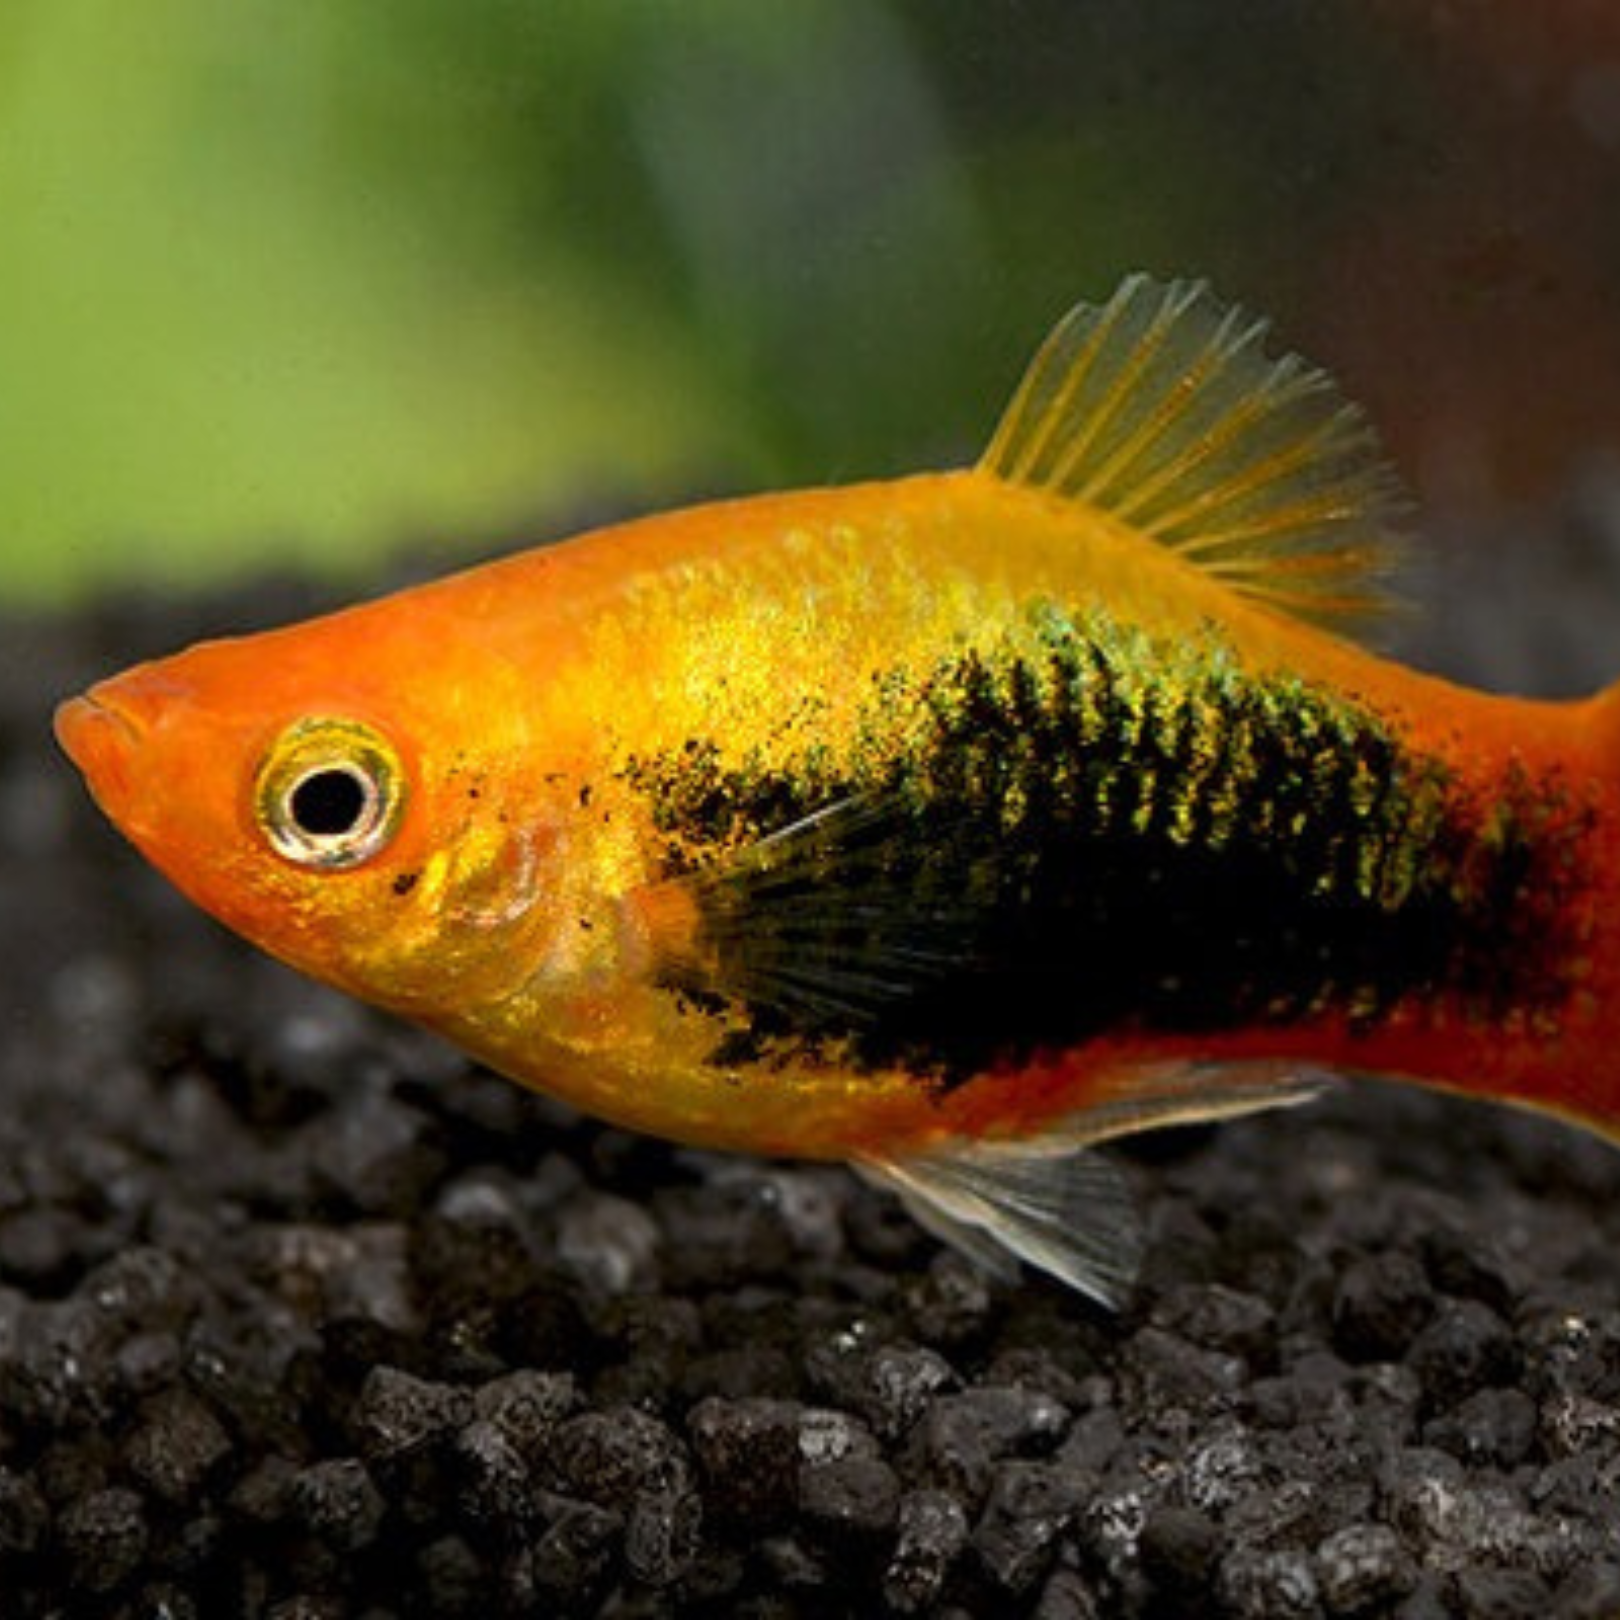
366, 778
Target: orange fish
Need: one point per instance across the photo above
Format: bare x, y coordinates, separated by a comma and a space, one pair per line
945, 826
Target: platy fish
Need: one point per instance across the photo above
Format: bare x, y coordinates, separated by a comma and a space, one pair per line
946, 826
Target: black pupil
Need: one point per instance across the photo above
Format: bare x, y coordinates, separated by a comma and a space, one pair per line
327, 804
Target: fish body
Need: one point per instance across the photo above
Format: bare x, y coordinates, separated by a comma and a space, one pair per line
946, 825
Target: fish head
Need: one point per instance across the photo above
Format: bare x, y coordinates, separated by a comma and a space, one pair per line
345, 793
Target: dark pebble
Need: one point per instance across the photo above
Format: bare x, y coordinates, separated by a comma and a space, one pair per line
54, 1367
375, 1154
142, 1288
477, 1246
176, 1445
262, 1496
1039, 1370
1465, 1347
65, 1470
161, 1600
24, 1515
889, 1387
43, 1248
527, 1406
608, 1457
1219, 1318
398, 1414
961, 1437
575, 1553
808, 1200
1179, 1547
1450, 1516
1430, 1599
608, 1243
103, 1538
748, 1456
1388, 1401
1592, 1592
1068, 1595
1466, 1264
1491, 1426
951, 1304
795, 1567
454, 1578
1571, 1485
1502, 1594
829, 1436
1095, 1440
1380, 1305
931, 1532
1258, 1585
498, 1485
374, 1291
1028, 1508
1273, 1516
1315, 1392
1163, 1370
1223, 1468
722, 1236
854, 1496
147, 1363
306, 1606
647, 1342
338, 1502
743, 1372
1575, 1425
542, 1325
1362, 1569
662, 1536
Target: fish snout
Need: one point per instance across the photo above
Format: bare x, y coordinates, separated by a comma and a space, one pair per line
99, 740
103, 730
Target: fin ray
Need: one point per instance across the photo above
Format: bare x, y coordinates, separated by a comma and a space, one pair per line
1052, 1202
1071, 1217
1162, 409
823, 917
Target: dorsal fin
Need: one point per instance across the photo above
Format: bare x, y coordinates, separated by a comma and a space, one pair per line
1162, 409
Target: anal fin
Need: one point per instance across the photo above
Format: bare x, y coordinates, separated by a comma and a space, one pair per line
1067, 1213
1051, 1202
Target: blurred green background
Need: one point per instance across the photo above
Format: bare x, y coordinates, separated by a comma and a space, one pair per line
294, 283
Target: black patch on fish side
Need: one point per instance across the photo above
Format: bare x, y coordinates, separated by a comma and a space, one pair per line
1086, 833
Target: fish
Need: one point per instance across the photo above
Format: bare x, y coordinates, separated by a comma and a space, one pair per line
947, 826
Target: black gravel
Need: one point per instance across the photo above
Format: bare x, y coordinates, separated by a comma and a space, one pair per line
301, 1315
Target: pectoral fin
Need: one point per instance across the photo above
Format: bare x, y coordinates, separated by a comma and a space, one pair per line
830, 919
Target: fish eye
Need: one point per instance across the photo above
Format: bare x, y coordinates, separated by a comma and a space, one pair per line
331, 802
330, 793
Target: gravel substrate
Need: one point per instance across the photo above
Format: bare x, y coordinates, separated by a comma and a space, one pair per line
301, 1315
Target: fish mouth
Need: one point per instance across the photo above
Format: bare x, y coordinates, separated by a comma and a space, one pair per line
101, 738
